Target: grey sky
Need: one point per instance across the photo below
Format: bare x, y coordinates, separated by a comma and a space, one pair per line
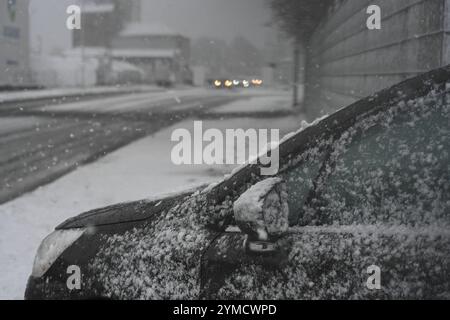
194, 18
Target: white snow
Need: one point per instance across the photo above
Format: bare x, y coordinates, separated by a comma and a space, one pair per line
381, 159
330, 262
433, 231
258, 104
112, 104
18, 124
262, 209
130, 102
145, 53
303, 125
121, 66
65, 92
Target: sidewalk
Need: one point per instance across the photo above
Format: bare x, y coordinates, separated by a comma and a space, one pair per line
270, 105
140, 170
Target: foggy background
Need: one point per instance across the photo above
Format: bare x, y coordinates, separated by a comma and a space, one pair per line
194, 18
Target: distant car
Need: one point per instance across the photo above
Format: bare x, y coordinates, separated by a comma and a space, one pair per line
360, 209
221, 83
235, 84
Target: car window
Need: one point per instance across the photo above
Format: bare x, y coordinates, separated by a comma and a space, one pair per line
390, 168
300, 178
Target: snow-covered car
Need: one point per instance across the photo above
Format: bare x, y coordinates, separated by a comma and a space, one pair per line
360, 209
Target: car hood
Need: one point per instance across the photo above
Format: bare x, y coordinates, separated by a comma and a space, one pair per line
125, 212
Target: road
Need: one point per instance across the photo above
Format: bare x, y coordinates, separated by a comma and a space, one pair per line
42, 141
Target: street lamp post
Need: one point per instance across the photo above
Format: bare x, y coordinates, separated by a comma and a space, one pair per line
295, 102
83, 53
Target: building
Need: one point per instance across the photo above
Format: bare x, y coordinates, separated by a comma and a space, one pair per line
113, 29
161, 53
91, 55
99, 27
14, 44
102, 20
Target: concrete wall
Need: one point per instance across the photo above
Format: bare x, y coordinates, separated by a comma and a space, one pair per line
446, 49
14, 43
348, 61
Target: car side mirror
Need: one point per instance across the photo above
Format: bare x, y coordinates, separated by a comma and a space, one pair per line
262, 212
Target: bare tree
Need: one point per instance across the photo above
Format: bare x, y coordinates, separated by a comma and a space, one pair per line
299, 18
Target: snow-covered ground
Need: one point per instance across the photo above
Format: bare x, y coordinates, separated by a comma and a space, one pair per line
17, 124
273, 103
140, 170
15, 96
130, 102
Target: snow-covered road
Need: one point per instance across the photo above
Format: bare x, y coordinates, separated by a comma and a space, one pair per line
40, 144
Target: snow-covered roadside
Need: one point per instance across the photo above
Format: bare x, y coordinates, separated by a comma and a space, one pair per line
18, 124
130, 102
273, 103
140, 170
17, 96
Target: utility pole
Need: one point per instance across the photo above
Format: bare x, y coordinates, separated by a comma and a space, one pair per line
296, 77
83, 53
136, 7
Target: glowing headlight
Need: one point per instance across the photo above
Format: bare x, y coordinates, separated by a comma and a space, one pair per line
257, 82
52, 247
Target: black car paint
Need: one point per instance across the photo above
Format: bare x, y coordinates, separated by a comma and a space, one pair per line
116, 219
